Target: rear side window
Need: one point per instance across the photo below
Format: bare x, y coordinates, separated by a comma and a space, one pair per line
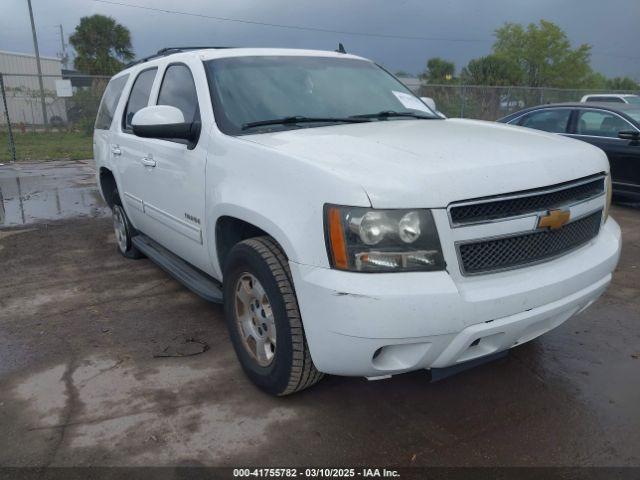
179, 90
109, 102
554, 121
139, 96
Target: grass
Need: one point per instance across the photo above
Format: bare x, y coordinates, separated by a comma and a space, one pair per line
43, 146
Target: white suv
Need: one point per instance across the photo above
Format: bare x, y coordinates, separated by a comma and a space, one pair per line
349, 229
612, 98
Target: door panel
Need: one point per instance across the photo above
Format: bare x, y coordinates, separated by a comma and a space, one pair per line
135, 177
175, 206
103, 133
626, 172
600, 128
133, 201
176, 224
127, 150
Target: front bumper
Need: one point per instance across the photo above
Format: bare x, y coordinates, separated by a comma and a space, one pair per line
381, 324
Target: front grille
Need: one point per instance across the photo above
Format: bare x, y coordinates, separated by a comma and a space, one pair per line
526, 202
519, 250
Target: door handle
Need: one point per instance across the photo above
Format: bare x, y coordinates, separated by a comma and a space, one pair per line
116, 150
148, 161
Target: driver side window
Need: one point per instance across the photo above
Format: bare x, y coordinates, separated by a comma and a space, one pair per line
600, 124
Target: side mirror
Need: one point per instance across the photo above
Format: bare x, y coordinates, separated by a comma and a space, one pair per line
163, 121
632, 135
430, 102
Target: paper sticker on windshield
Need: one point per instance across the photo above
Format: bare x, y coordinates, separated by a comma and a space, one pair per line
411, 102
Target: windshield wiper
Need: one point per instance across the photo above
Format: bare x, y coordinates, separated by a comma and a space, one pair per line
392, 113
301, 119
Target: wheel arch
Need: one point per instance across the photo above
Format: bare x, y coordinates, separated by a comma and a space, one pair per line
108, 185
233, 227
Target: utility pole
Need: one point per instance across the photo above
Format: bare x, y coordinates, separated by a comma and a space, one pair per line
63, 55
12, 145
35, 46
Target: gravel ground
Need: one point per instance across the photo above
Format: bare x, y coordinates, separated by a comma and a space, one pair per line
81, 382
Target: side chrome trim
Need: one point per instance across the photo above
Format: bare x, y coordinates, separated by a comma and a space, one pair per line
595, 136
134, 201
175, 224
626, 184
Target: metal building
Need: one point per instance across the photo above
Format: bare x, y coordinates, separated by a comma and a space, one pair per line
412, 83
23, 91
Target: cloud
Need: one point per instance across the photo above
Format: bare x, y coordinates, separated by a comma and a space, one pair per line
583, 20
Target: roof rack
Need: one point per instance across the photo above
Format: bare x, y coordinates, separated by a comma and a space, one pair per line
163, 52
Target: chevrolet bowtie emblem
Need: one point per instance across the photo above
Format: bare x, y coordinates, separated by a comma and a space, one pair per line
553, 219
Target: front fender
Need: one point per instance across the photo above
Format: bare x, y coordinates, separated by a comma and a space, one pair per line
250, 216
278, 193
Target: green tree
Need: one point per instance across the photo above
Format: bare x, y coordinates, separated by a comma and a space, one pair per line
596, 81
622, 83
102, 45
544, 55
492, 70
439, 71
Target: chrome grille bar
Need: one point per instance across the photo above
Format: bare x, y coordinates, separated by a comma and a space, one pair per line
503, 207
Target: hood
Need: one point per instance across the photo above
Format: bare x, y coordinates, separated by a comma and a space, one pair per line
431, 163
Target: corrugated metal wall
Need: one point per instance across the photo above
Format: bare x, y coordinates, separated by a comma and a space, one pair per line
23, 91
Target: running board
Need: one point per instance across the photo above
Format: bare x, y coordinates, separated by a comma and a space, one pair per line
198, 282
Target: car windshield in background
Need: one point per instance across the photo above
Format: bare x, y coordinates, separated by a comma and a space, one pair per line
267, 93
633, 100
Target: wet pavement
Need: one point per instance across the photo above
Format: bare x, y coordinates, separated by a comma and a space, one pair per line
81, 381
36, 192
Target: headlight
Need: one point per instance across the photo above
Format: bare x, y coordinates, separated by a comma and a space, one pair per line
609, 194
370, 240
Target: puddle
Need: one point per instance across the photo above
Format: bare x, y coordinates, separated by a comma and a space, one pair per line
35, 192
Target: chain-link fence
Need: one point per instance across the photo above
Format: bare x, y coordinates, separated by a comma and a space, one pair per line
72, 102
23, 99
492, 103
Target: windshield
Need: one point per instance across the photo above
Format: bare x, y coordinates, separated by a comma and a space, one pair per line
633, 100
247, 90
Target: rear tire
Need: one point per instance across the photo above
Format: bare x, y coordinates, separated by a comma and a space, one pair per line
124, 231
262, 314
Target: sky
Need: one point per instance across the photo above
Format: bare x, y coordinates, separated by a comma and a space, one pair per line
457, 30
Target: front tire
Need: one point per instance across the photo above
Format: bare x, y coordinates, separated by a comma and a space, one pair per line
262, 314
